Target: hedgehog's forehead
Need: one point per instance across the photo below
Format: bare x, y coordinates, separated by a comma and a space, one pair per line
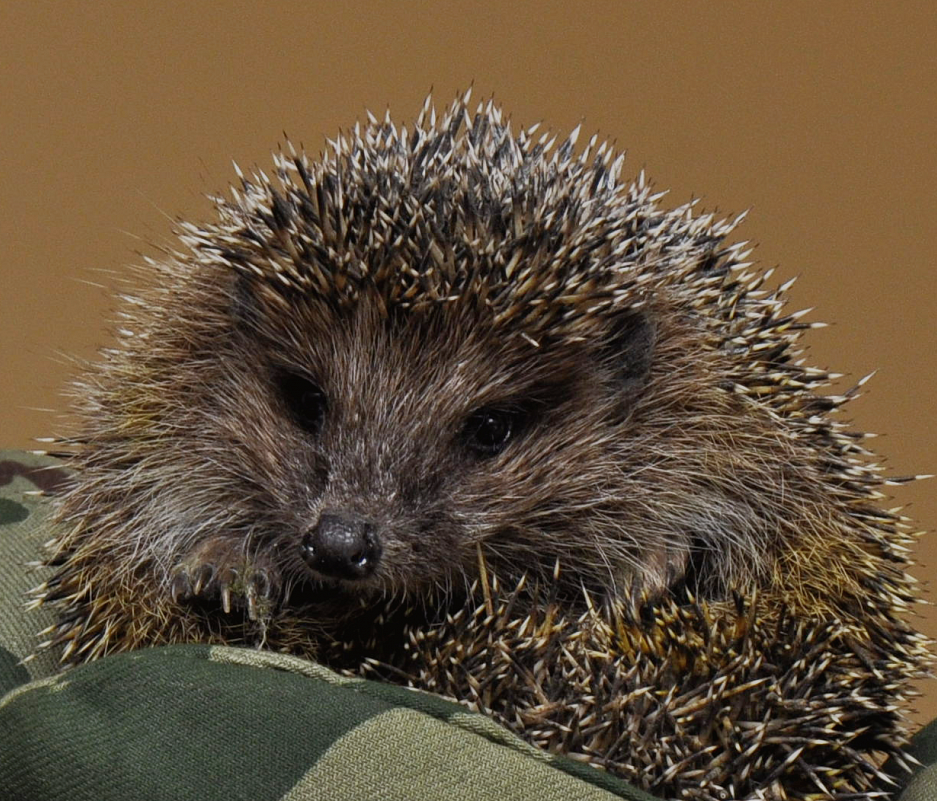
541, 276
535, 308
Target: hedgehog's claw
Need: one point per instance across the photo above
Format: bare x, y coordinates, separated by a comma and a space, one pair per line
203, 576
252, 602
261, 589
179, 587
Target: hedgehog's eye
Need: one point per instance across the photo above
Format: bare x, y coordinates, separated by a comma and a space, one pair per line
488, 431
304, 399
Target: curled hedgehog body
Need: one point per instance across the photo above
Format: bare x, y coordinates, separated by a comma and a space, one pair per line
454, 407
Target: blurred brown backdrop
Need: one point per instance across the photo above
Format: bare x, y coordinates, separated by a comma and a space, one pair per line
820, 116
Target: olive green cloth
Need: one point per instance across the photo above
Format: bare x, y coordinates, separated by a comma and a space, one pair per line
212, 723
197, 722
922, 786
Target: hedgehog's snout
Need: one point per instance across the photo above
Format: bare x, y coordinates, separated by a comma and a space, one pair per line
342, 545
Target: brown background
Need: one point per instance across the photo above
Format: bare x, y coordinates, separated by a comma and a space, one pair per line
820, 116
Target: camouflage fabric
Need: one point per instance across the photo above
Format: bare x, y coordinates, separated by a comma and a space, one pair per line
23, 530
203, 722
197, 722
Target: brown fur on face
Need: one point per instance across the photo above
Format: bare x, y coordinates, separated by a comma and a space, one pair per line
633, 465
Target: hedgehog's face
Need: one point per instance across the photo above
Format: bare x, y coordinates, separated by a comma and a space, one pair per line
405, 443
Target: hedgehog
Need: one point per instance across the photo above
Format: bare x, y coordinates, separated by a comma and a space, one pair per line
457, 408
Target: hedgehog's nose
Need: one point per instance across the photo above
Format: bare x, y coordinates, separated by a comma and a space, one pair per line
342, 546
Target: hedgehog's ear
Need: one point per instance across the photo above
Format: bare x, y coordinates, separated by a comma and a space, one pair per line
245, 308
630, 349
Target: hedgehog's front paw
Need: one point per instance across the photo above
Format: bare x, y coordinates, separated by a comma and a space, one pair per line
219, 568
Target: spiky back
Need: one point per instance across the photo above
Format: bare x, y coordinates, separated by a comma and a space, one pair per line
461, 209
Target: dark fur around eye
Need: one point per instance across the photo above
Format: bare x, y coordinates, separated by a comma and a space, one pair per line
489, 430
304, 399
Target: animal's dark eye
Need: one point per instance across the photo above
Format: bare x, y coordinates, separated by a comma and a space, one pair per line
488, 431
304, 399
